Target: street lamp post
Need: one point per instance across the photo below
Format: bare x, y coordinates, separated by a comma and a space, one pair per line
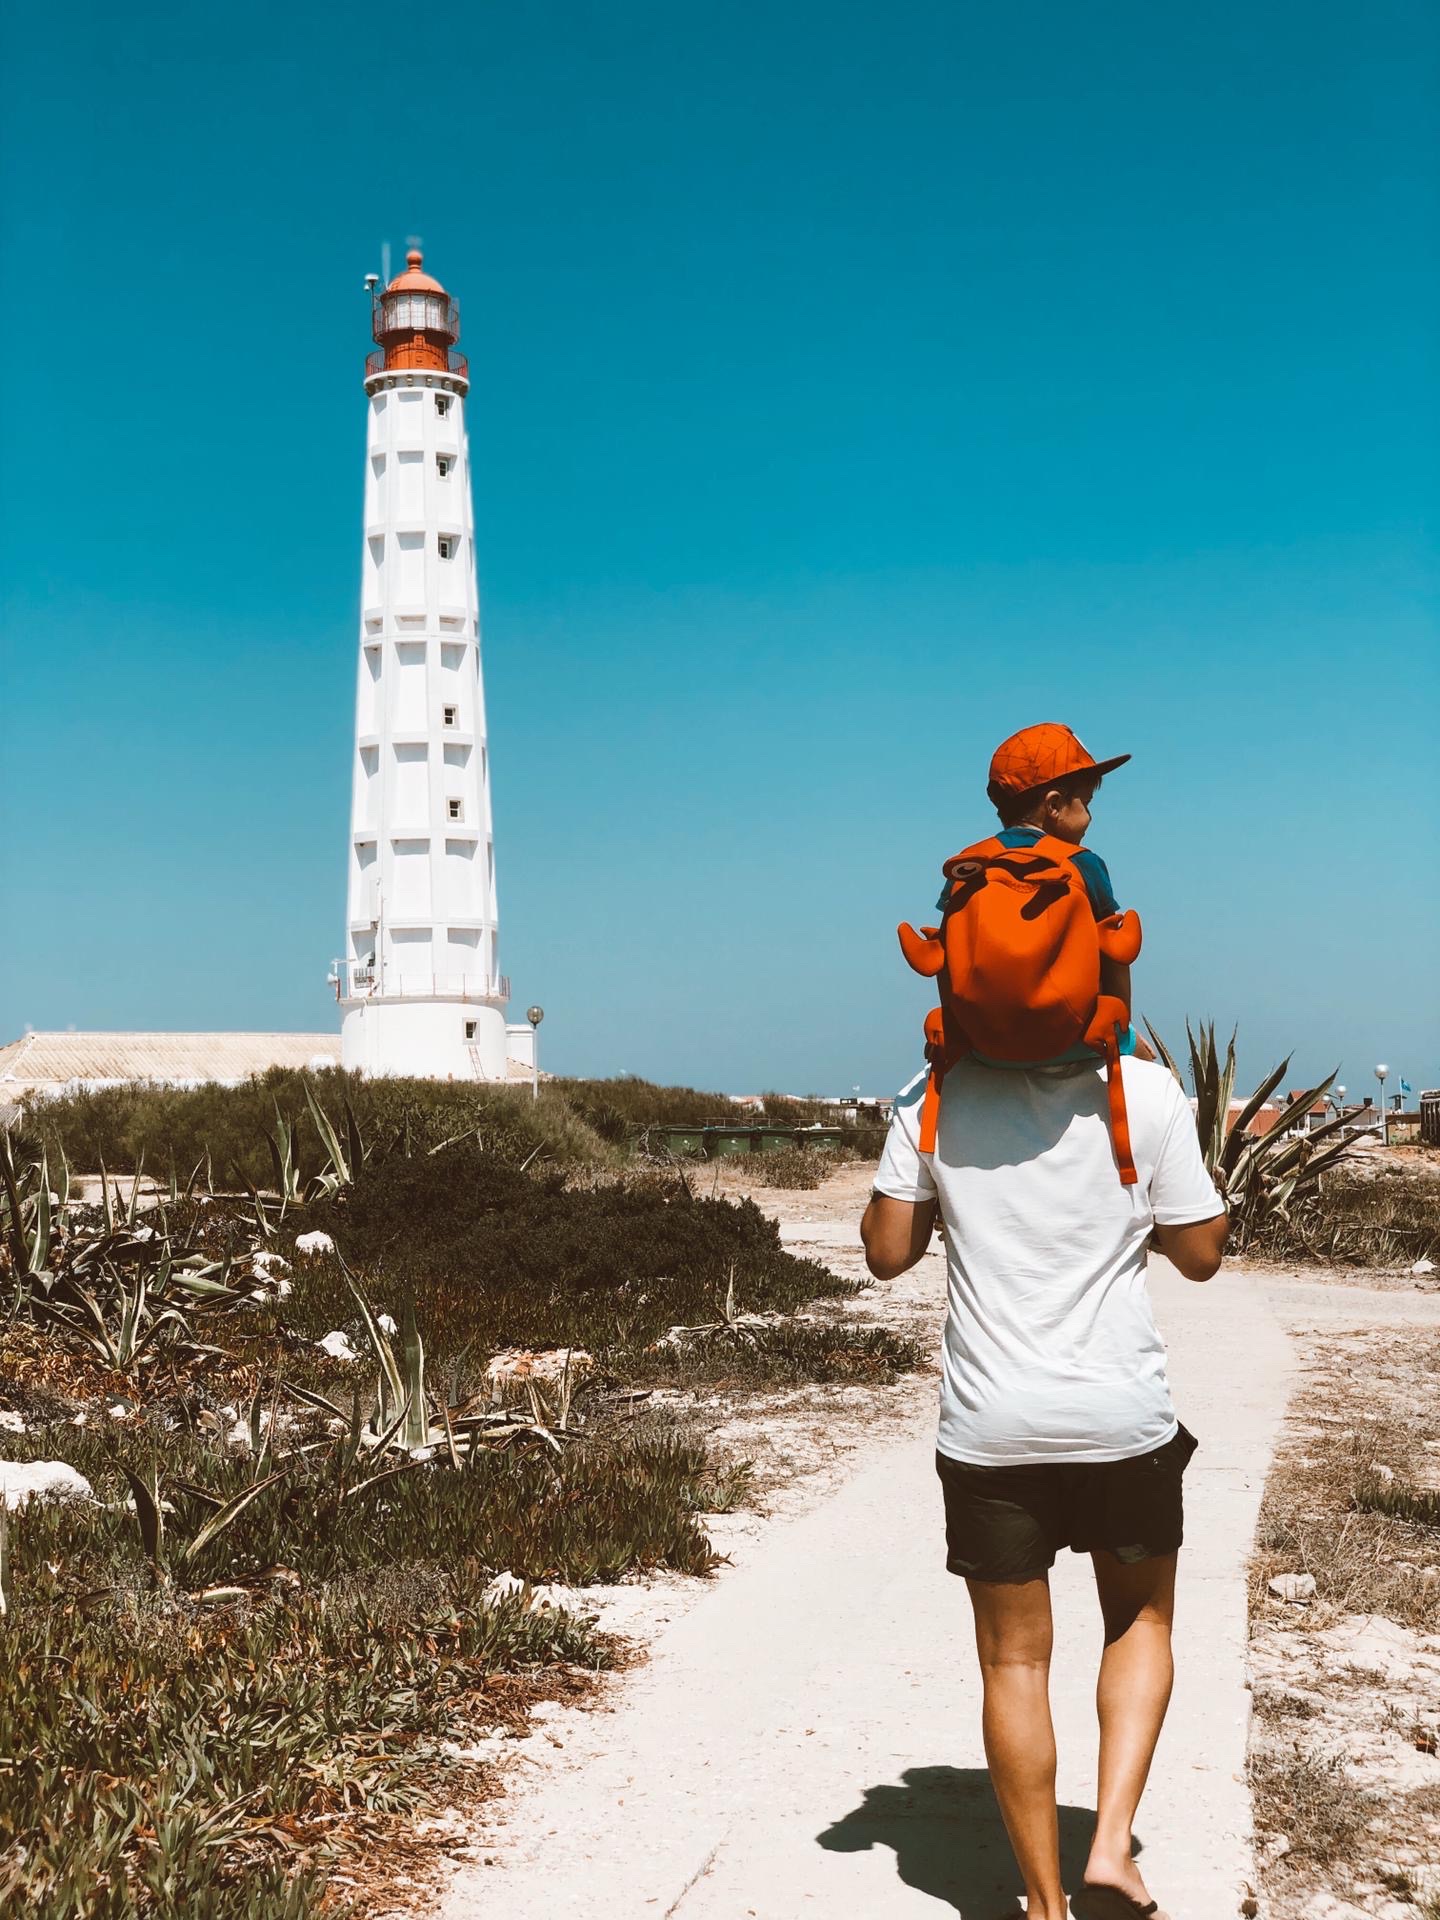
535, 1015
1380, 1073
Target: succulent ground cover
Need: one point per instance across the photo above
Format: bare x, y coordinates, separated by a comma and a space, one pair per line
1345, 1649
272, 1623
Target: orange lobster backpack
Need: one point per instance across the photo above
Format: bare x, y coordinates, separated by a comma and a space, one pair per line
1017, 954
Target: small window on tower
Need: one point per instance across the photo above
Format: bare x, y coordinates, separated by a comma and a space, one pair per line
452, 716
443, 463
442, 404
470, 1027
448, 544
455, 808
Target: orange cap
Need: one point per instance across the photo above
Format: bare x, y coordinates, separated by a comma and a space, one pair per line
1037, 755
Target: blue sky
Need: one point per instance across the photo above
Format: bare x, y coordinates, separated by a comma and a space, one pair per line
851, 385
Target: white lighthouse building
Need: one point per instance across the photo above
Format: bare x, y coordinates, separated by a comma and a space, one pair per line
420, 986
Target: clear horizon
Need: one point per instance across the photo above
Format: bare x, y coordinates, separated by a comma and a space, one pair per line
847, 391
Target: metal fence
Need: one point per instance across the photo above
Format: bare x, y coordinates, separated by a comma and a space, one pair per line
391, 983
377, 362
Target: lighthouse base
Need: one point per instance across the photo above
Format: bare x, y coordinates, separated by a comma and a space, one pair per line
432, 1039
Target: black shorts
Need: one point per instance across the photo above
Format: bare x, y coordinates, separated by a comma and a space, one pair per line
1008, 1523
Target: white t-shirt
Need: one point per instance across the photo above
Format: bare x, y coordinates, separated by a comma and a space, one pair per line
1051, 1349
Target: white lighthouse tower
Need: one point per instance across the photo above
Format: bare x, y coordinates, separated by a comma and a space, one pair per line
420, 987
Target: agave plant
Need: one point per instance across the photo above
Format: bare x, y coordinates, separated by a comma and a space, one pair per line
1261, 1178
343, 1159
27, 1209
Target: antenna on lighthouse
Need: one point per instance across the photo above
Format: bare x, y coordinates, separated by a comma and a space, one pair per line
385, 262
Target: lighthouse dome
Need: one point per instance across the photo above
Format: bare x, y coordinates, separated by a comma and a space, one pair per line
415, 320
414, 279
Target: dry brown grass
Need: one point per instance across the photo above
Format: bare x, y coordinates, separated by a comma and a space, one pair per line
1330, 1507
1311, 1799
1339, 1742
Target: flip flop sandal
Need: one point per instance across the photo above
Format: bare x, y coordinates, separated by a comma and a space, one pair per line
1109, 1903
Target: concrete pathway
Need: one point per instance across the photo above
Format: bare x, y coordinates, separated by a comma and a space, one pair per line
805, 1739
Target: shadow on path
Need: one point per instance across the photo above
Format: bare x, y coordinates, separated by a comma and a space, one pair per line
949, 1839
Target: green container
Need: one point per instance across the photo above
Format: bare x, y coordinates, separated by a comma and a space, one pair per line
689, 1142
775, 1139
723, 1143
831, 1138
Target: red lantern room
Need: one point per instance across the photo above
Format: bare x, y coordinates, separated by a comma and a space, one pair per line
416, 322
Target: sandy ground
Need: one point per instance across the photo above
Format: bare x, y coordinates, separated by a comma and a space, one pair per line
803, 1738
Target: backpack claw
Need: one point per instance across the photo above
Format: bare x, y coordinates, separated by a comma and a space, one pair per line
1120, 937
925, 955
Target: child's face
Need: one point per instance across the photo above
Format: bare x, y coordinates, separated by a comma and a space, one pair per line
1068, 817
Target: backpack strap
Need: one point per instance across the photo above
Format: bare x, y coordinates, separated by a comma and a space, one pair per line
943, 1047
1060, 851
1103, 1033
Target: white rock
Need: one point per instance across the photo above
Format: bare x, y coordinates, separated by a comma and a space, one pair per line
1385, 1473
22, 1480
267, 1264
314, 1245
1423, 1266
1297, 1588
10, 1422
502, 1586
385, 1323
338, 1346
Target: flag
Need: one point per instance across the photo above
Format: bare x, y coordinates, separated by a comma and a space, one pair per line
1405, 1087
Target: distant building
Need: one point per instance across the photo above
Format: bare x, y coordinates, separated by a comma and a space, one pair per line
45, 1063
51, 1063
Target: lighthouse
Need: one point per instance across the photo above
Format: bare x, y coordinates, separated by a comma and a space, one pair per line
419, 984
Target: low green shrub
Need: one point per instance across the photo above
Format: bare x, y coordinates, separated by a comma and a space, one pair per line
789, 1354
574, 1123
119, 1127
619, 1107
794, 1169
499, 1258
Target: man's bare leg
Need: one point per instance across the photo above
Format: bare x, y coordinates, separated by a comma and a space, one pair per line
1136, 1673
1013, 1636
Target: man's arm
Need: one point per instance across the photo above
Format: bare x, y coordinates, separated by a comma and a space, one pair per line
895, 1233
1196, 1249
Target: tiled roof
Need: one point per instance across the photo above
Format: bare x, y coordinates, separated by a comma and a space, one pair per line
47, 1060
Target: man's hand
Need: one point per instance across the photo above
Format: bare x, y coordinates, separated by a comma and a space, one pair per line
896, 1233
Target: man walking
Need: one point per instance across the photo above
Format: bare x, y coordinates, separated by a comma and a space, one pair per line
1056, 1423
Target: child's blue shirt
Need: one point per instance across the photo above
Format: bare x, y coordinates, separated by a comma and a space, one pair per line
1091, 868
